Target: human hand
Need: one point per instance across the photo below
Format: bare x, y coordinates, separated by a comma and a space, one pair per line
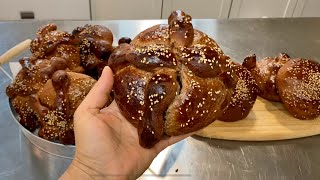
107, 145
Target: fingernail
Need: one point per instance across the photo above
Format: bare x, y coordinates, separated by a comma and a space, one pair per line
105, 69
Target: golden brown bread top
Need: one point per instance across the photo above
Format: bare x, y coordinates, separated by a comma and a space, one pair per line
85, 50
161, 90
61, 96
155, 35
244, 94
28, 117
60, 91
98, 33
205, 61
181, 32
95, 43
152, 56
34, 73
130, 90
71, 54
51, 42
79, 87
197, 105
48, 39
153, 49
56, 102
53, 106
174, 77
264, 73
298, 82
59, 114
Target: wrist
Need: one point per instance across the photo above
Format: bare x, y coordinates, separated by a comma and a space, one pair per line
77, 170
80, 171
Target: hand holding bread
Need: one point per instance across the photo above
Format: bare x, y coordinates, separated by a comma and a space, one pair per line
170, 80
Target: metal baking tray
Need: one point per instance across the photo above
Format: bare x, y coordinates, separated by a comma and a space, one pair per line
53, 148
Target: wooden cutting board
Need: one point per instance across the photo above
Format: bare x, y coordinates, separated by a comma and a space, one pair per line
266, 121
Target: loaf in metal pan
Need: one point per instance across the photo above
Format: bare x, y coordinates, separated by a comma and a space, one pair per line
50, 86
45, 96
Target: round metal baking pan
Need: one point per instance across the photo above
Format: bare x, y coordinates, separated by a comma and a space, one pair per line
53, 148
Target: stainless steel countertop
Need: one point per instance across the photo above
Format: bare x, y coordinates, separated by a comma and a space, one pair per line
195, 157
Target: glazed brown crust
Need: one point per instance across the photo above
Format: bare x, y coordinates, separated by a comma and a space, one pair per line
155, 35
180, 29
205, 61
61, 96
264, 73
244, 94
79, 87
55, 120
53, 105
159, 35
160, 92
95, 44
51, 42
34, 73
45, 96
28, 117
71, 54
174, 77
197, 105
152, 57
298, 82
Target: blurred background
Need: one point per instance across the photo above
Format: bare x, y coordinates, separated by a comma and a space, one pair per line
154, 9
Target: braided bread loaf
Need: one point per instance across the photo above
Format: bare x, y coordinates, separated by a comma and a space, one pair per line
30, 79
51, 42
173, 79
298, 82
86, 50
50, 86
293, 82
264, 72
45, 95
95, 45
56, 102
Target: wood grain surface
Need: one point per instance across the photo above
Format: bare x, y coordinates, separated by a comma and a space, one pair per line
266, 121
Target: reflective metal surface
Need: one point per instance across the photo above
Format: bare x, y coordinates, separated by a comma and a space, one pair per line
53, 148
195, 157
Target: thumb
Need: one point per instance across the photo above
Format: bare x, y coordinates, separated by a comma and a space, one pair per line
99, 94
